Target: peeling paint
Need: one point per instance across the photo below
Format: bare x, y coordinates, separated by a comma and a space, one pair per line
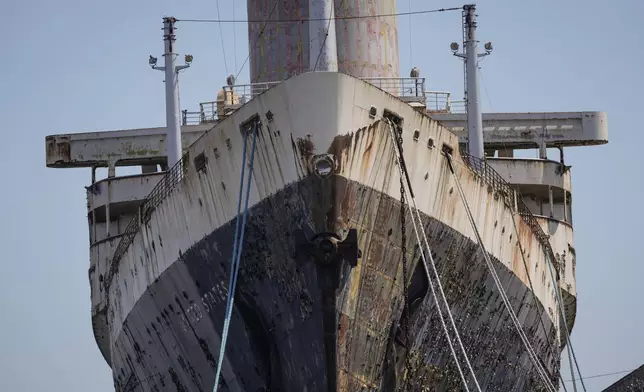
279, 288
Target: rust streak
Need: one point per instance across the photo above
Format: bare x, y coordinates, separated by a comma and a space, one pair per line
307, 149
366, 155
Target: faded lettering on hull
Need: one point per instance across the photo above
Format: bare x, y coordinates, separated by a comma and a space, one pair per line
278, 339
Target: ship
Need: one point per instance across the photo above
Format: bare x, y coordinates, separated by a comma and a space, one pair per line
332, 226
632, 382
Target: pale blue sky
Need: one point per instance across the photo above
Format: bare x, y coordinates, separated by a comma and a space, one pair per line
74, 66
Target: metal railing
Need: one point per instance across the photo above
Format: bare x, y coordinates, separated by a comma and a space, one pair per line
208, 112
512, 198
441, 102
164, 187
410, 90
237, 95
190, 117
457, 107
229, 99
438, 101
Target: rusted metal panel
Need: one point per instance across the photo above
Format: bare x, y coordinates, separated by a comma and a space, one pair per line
281, 50
57, 149
562, 242
102, 332
121, 148
530, 130
533, 172
125, 189
279, 302
146, 146
366, 47
531, 175
181, 254
632, 382
100, 259
422, 160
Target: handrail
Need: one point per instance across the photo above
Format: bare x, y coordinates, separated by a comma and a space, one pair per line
410, 90
458, 107
106, 239
406, 89
162, 189
190, 117
512, 199
552, 219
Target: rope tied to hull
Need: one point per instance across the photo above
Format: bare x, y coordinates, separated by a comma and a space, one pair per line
497, 281
402, 168
238, 245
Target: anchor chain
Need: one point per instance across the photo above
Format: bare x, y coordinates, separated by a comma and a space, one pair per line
403, 248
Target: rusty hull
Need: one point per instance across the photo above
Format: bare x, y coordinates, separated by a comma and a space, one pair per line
299, 325
280, 340
170, 339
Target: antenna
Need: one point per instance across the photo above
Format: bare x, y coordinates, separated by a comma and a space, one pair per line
173, 118
474, 117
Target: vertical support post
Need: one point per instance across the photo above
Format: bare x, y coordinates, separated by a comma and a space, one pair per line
111, 169
323, 52
472, 95
173, 139
108, 217
516, 203
93, 228
543, 149
565, 205
474, 117
172, 115
552, 202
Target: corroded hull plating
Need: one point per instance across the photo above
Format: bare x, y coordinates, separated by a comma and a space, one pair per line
303, 325
281, 338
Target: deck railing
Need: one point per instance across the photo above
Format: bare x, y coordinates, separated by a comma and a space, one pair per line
164, 187
512, 198
190, 117
458, 107
410, 90
441, 102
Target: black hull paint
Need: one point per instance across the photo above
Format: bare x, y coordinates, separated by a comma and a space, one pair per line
297, 325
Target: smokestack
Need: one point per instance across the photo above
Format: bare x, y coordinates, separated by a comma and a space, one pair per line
365, 47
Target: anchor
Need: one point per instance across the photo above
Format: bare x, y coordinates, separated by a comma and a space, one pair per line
329, 248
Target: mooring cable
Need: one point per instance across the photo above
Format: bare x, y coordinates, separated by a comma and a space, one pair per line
403, 173
238, 245
533, 356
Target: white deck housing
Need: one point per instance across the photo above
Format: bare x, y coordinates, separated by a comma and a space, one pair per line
501, 130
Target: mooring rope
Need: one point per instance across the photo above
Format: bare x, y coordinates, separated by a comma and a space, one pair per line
531, 353
402, 167
238, 245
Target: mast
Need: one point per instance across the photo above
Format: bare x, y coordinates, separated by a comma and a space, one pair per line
472, 95
172, 115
